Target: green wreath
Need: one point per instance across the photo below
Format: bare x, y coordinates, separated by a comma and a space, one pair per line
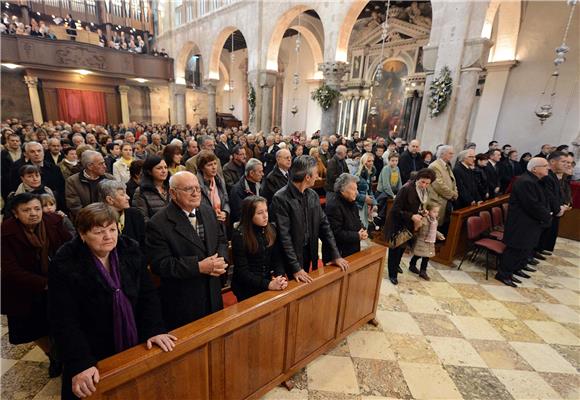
252, 100
325, 95
440, 92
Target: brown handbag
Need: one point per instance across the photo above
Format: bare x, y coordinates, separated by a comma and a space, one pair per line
401, 237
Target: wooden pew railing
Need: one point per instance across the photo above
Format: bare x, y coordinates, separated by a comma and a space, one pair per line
249, 348
456, 242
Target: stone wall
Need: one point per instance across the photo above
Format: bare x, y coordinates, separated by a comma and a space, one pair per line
138, 104
159, 104
15, 99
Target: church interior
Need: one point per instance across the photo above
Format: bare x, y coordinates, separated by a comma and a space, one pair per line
450, 75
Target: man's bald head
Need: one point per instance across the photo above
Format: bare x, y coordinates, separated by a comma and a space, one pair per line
185, 190
414, 146
341, 152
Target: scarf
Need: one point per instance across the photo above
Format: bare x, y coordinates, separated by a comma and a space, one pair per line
214, 196
423, 196
124, 326
73, 163
39, 241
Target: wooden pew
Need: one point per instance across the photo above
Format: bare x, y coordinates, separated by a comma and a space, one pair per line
249, 348
456, 242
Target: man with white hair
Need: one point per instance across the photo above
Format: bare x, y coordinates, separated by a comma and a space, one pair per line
248, 185
529, 214
336, 167
82, 188
54, 154
465, 178
155, 148
269, 154
443, 189
186, 248
278, 178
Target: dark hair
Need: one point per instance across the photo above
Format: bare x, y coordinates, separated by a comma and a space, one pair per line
481, 156
425, 173
556, 155
203, 158
111, 146
68, 150
21, 198
136, 168
301, 167
149, 164
170, 151
505, 146
393, 155
95, 214
237, 149
28, 169
511, 152
425, 153
490, 153
562, 147
491, 143
249, 205
526, 154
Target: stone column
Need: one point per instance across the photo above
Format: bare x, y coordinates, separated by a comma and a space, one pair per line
32, 84
25, 15
123, 90
211, 85
490, 102
177, 103
333, 73
267, 80
279, 100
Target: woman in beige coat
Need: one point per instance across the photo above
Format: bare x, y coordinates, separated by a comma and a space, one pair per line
444, 188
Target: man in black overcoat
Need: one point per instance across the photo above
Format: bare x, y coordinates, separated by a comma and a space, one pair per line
336, 166
278, 178
466, 180
187, 250
529, 213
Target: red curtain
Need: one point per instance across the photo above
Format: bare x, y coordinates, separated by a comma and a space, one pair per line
82, 106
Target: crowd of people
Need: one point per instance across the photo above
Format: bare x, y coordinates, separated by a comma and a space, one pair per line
91, 211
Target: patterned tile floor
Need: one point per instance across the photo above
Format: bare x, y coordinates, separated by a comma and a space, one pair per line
457, 336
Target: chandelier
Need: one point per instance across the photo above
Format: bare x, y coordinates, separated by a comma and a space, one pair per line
379, 73
545, 103
231, 82
296, 75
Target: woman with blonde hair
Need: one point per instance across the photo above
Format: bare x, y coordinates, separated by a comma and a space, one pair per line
366, 200
314, 152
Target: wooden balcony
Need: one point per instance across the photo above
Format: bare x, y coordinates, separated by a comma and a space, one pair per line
66, 55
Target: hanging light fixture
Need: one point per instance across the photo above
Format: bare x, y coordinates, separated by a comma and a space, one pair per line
373, 112
296, 75
545, 105
231, 82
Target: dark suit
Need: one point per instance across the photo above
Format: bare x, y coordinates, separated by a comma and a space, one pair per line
335, 168
174, 251
529, 214
409, 163
466, 186
134, 225
508, 170
269, 159
345, 223
275, 181
553, 189
222, 152
493, 182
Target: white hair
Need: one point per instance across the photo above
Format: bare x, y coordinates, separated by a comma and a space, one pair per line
28, 144
88, 157
535, 162
251, 165
443, 150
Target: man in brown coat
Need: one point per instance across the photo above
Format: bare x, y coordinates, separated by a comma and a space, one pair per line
444, 188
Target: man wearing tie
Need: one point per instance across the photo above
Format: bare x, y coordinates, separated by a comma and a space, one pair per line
187, 250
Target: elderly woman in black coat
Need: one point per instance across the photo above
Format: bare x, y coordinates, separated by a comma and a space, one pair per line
101, 300
256, 252
343, 216
406, 213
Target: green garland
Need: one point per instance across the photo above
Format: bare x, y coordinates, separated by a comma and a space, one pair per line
251, 100
325, 95
440, 91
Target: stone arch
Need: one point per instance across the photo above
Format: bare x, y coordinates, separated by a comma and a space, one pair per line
502, 24
283, 23
402, 57
182, 58
223, 71
313, 43
216, 51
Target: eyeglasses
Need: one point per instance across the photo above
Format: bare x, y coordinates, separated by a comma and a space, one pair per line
190, 189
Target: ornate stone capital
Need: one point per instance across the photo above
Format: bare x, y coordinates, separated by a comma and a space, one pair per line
333, 72
31, 81
211, 85
501, 65
267, 78
475, 53
123, 89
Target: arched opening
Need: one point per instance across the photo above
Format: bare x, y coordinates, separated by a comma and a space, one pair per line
383, 43
184, 63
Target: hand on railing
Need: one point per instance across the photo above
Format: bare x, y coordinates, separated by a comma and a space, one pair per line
83, 384
165, 341
341, 263
302, 276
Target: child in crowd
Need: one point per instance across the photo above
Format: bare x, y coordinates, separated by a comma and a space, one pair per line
390, 177
427, 234
49, 206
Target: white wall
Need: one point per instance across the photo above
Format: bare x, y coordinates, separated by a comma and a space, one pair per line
309, 113
240, 93
541, 32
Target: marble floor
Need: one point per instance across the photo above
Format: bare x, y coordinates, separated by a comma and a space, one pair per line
457, 336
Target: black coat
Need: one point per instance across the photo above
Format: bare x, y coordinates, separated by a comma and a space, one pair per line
493, 181
80, 303
553, 189
222, 152
507, 171
466, 186
335, 168
269, 159
529, 213
406, 204
135, 225
482, 184
253, 272
6, 170
174, 250
409, 163
345, 223
237, 195
275, 181
296, 214
232, 174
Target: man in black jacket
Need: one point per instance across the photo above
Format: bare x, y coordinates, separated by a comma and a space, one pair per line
234, 169
336, 166
492, 173
529, 214
278, 178
410, 161
268, 156
248, 185
509, 168
186, 247
222, 149
301, 221
465, 180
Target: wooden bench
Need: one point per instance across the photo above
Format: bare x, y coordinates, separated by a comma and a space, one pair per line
251, 347
456, 242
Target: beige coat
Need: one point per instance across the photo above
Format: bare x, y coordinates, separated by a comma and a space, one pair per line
420, 247
444, 188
